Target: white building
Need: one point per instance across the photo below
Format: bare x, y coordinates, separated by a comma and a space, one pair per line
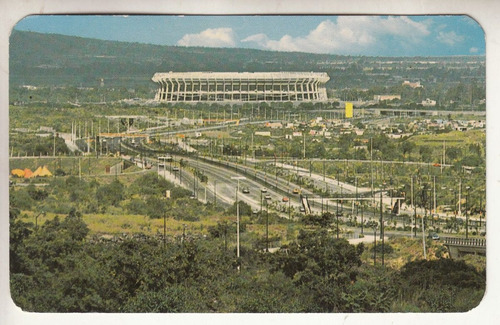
240, 86
428, 102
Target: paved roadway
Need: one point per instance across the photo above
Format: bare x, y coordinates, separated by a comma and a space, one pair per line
221, 182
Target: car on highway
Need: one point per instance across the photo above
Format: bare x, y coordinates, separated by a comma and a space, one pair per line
175, 169
268, 197
433, 236
264, 190
245, 190
296, 191
285, 199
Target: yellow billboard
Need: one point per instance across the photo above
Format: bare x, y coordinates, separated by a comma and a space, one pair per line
348, 110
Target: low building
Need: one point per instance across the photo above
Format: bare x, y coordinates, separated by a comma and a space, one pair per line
412, 84
274, 125
379, 98
428, 102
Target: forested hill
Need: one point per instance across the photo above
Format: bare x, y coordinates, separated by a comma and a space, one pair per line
56, 60
50, 59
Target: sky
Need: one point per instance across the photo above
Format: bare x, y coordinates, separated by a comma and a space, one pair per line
344, 35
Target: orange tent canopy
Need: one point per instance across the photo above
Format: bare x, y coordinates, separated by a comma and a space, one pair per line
17, 172
27, 173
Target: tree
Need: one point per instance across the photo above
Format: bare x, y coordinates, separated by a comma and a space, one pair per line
324, 265
245, 209
407, 147
453, 153
425, 153
442, 285
323, 220
155, 207
111, 194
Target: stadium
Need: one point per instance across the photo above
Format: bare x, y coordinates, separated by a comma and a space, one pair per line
240, 86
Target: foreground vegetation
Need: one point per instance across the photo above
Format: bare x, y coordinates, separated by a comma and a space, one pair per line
114, 258
55, 267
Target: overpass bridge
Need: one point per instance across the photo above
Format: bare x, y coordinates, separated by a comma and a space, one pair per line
458, 247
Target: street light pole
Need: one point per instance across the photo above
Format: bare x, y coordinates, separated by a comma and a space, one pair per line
238, 178
164, 229
215, 193
480, 210
36, 219
267, 227
356, 181
382, 226
467, 213
414, 203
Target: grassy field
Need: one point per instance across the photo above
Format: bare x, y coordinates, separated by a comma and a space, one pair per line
405, 249
130, 224
91, 167
119, 224
453, 138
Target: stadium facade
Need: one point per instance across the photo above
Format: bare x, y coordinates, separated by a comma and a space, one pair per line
240, 86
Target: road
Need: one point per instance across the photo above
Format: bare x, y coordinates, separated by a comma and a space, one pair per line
220, 175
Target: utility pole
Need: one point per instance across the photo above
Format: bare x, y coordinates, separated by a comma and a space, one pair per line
215, 193
304, 150
423, 226
253, 148
374, 245
362, 219
337, 215
460, 196
371, 161
467, 213
267, 227
238, 178
164, 230
54, 144
413, 203
356, 201
382, 226
435, 206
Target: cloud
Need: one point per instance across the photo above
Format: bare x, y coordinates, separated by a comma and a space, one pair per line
450, 38
349, 34
211, 37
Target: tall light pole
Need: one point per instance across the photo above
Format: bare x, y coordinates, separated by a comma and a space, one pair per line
382, 226
238, 178
423, 218
267, 227
481, 207
356, 182
36, 219
215, 193
414, 203
467, 213
375, 243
